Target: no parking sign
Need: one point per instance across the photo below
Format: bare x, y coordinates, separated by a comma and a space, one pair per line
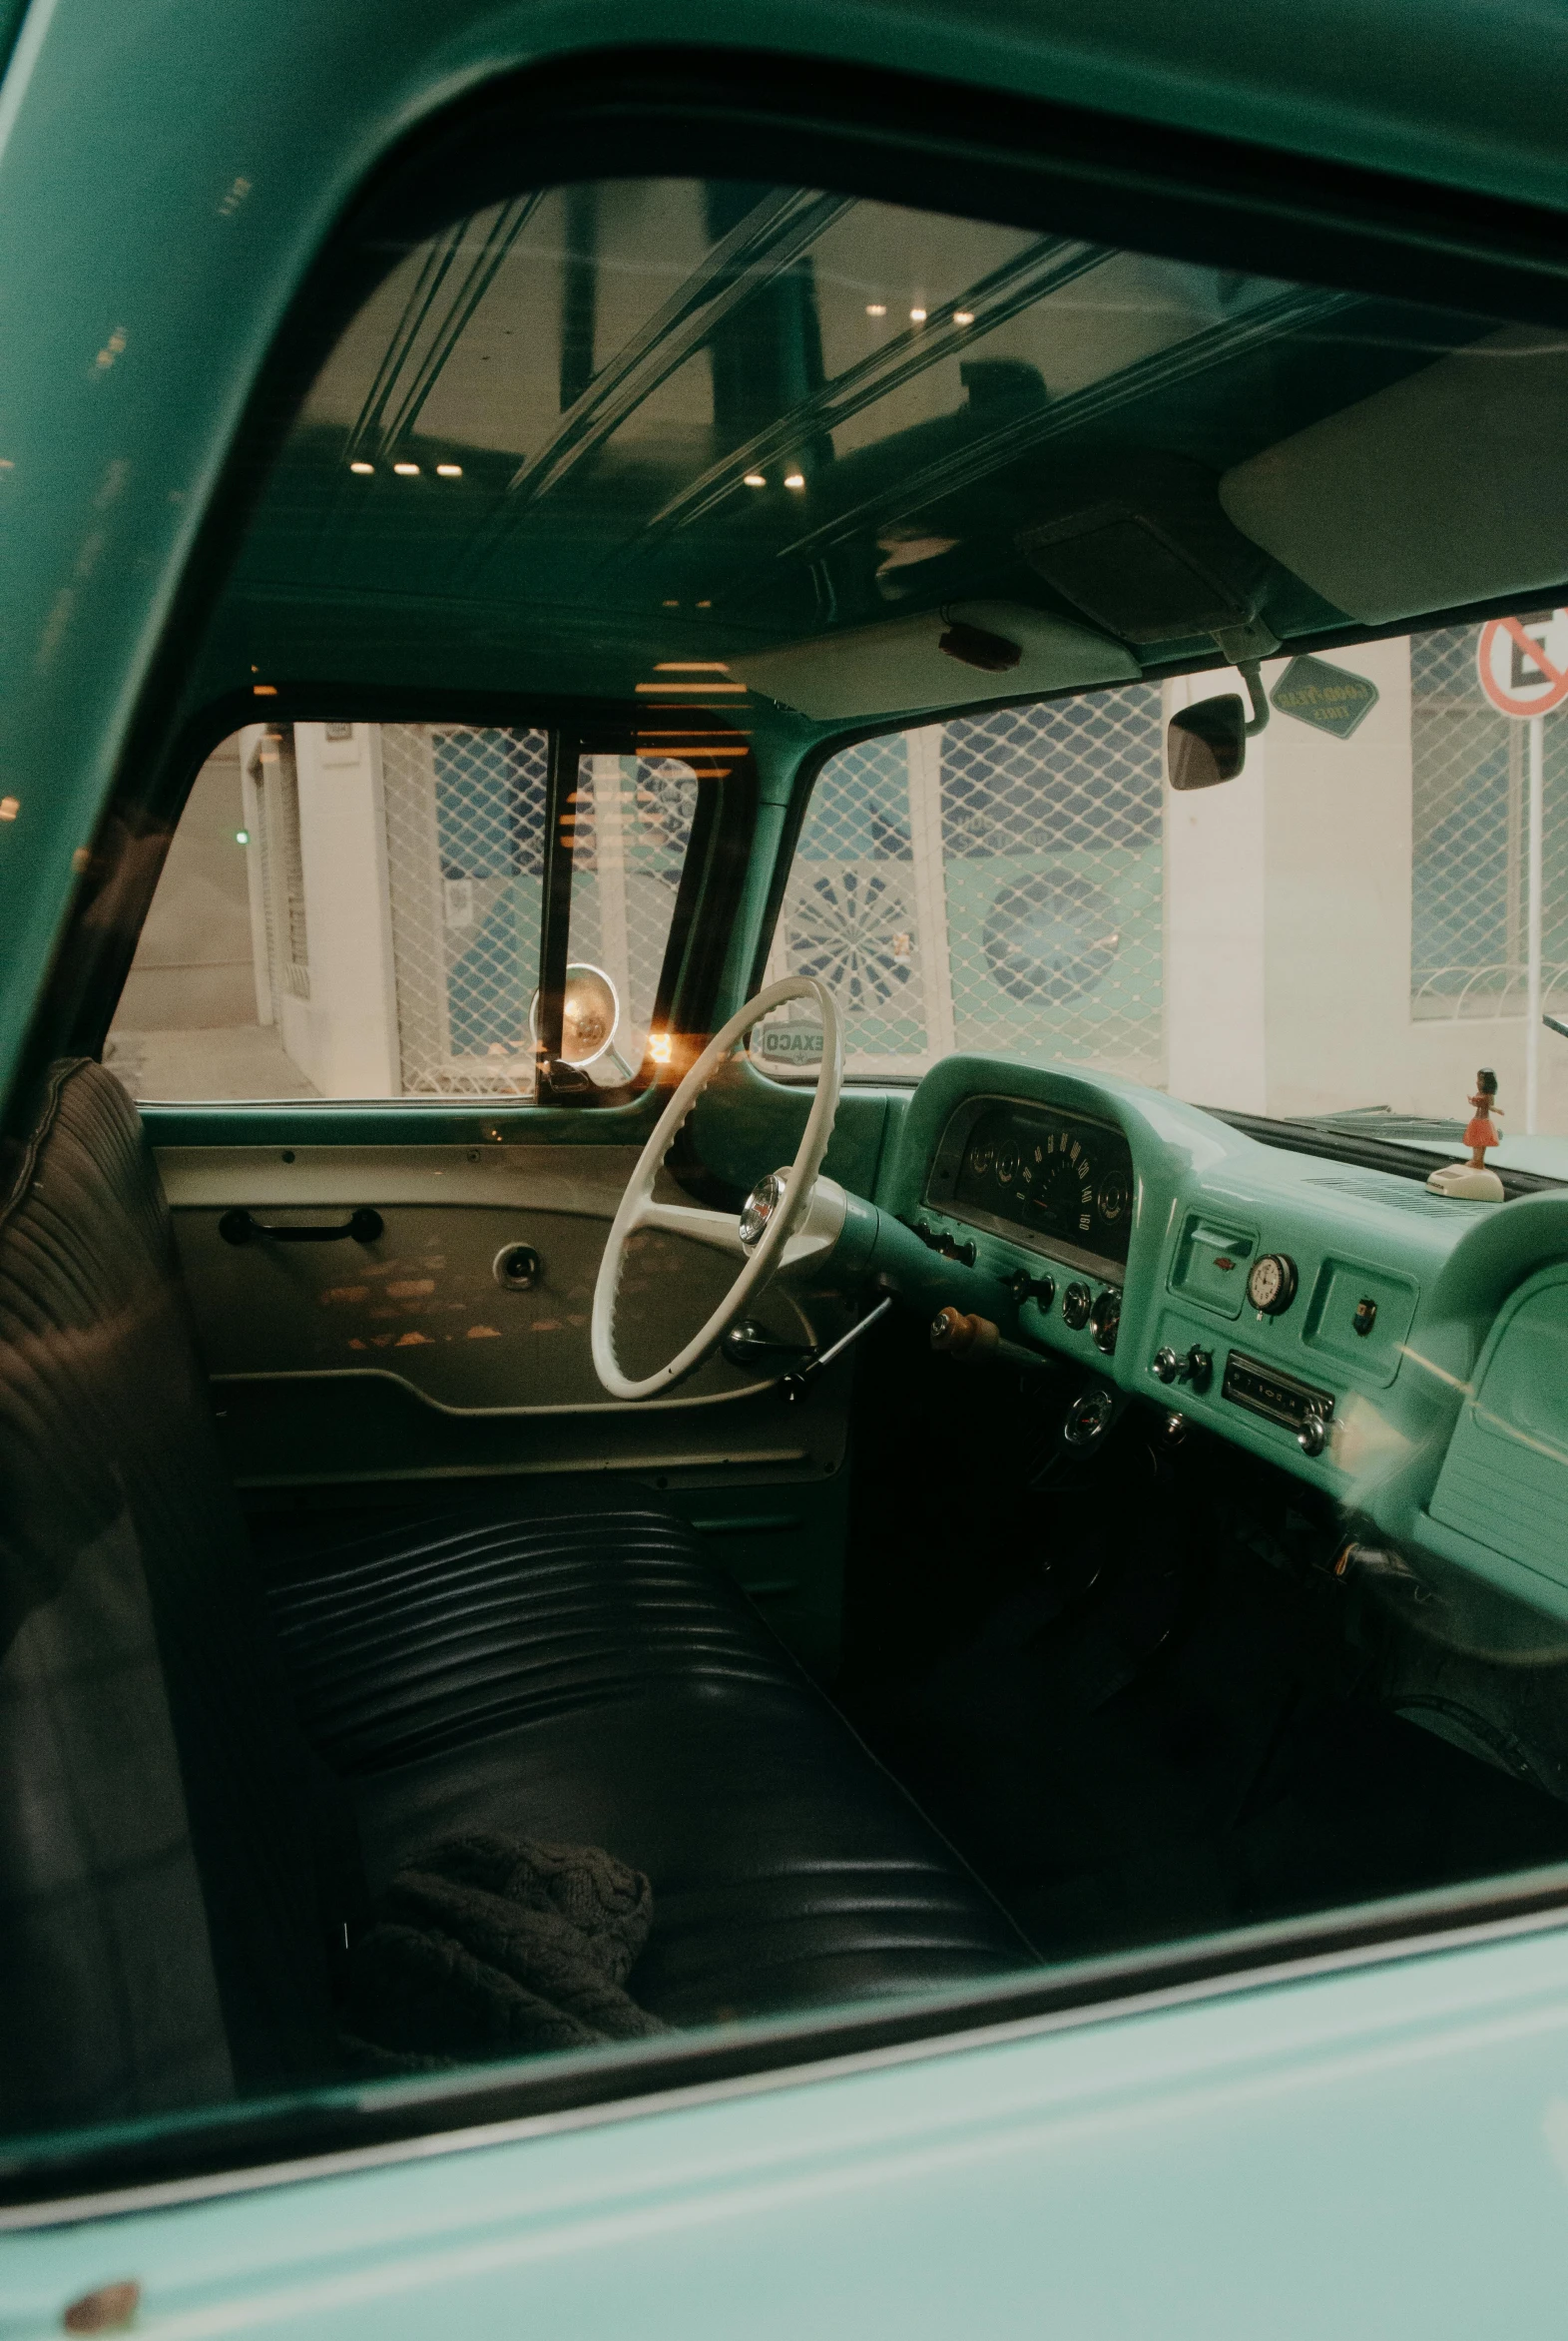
1522, 663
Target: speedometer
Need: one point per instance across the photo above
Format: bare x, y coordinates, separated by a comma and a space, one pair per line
1063, 1201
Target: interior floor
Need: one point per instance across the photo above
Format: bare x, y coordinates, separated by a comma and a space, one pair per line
1133, 1694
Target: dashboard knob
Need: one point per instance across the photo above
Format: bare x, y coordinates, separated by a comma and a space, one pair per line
1312, 1437
955, 1335
1077, 1301
1166, 1366
1025, 1287
1200, 1367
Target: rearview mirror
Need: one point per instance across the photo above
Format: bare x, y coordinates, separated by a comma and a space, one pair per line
1207, 743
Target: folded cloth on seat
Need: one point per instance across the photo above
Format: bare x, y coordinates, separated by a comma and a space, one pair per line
488, 1945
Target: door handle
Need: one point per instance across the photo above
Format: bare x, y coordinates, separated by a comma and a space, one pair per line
364, 1226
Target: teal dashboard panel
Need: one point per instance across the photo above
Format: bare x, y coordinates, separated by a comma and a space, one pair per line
1402, 1352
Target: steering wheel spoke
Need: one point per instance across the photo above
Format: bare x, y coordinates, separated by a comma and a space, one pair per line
714, 1228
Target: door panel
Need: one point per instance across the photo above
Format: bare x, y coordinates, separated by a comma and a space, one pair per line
421, 1304
343, 1369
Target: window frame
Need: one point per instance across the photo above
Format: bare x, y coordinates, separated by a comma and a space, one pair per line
709, 895
895, 136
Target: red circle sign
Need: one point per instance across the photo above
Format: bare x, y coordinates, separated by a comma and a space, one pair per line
1522, 663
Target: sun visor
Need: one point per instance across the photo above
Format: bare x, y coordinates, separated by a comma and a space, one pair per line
900, 666
1449, 487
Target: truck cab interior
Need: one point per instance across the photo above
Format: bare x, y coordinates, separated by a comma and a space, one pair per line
721, 1171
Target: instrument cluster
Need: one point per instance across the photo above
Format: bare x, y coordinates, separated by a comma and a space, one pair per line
1060, 1182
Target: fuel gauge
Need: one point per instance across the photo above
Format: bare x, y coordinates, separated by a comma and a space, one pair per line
1115, 1195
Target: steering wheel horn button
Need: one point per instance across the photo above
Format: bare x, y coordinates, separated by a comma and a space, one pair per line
760, 1206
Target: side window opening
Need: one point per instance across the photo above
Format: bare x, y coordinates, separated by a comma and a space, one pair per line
354, 911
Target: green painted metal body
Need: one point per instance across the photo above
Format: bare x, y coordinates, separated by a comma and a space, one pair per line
1360, 2152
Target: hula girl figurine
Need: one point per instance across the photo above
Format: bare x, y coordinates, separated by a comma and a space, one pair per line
1473, 1181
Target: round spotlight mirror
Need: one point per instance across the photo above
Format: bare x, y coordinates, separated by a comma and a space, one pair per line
590, 1018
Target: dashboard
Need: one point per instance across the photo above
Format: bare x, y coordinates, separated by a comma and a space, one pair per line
1404, 1352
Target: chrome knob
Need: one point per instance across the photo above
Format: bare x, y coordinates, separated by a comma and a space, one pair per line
1312, 1437
1200, 1367
1167, 1366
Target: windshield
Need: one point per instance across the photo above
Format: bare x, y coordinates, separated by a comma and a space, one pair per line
1371, 911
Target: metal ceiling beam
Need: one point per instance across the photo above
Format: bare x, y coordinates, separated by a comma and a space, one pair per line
431, 325
760, 247
1004, 294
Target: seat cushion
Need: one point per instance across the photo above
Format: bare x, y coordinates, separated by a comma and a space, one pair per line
551, 1667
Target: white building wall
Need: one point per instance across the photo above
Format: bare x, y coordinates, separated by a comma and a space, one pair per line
345, 1038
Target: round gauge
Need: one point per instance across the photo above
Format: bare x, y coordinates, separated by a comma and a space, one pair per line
1271, 1285
1006, 1164
1113, 1196
1077, 1301
981, 1159
1064, 1196
1103, 1318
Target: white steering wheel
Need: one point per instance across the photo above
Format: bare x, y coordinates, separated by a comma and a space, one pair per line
791, 1215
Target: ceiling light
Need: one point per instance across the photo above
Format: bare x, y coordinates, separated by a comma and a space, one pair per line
794, 479
407, 470
263, 690
756, 479
917, 316
448, 471
689, 666
361, 467
242, 837
963, 317
876, 308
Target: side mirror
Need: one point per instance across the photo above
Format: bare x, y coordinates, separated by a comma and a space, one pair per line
1206, 744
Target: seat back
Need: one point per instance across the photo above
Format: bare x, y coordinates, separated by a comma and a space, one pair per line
172, 1870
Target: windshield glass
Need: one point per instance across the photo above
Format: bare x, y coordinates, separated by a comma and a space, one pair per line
1374, 908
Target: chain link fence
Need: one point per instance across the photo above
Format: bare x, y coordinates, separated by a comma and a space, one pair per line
465, 817
631, 826
465, 814
991, 883
1469, 859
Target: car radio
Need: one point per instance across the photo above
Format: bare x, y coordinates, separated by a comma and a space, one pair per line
1297, 1405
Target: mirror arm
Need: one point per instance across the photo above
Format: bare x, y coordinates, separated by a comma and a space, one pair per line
1251, 672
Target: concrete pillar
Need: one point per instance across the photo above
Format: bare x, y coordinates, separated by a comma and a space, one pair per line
353, 1010
1215, 900
1288, 910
